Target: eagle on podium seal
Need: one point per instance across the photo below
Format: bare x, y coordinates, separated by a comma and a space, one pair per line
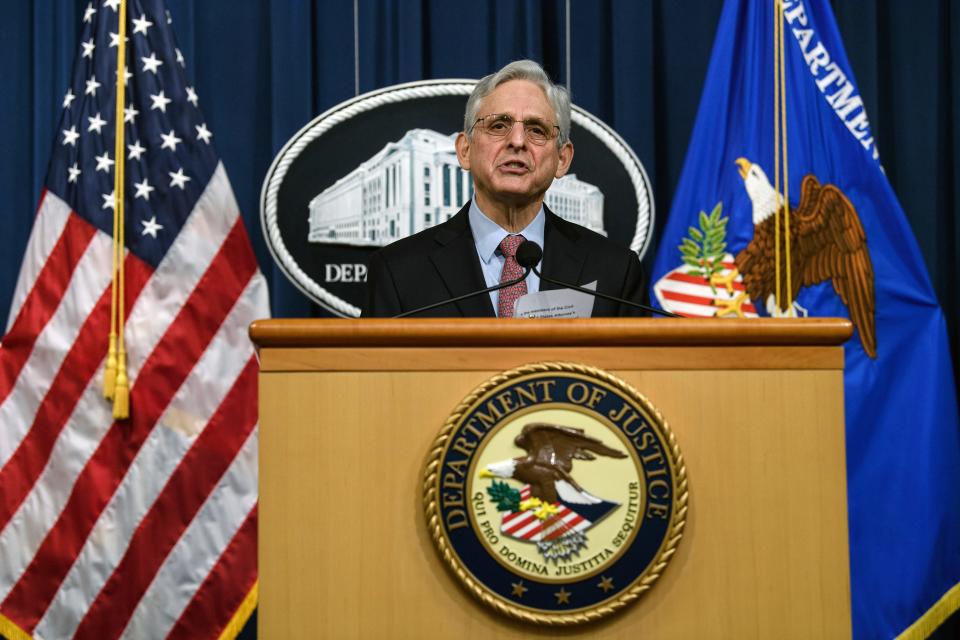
556, 493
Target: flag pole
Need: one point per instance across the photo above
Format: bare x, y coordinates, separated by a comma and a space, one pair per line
777, 28
110, 371
786, 172
121, 391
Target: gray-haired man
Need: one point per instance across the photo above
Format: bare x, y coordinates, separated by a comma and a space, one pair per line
515, 142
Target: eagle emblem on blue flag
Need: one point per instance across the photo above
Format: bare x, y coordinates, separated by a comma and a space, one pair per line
826, 243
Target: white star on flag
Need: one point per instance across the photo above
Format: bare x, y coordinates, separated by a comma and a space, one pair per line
203, 133
69, 98
150, 227
178, 179
115, 39
143, 190
130, 113
191, 96
74, 172
92, 86
104, 162
96, 123
113, 4
180, 58
88, 48
160, 101
126, 75
70, 135
151, 63
135, 150
141, 24
88, 13
109, 200
170, 140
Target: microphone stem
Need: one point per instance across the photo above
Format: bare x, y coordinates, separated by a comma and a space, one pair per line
502, 285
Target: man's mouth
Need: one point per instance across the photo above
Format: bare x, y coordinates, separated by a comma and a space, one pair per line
514, 166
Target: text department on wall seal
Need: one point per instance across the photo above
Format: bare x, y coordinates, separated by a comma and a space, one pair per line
556, 493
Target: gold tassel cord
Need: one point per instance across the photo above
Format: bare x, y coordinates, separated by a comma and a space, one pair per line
786, 171
777, 22
121, 391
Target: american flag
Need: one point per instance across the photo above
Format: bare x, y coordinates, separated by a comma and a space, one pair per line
144, 527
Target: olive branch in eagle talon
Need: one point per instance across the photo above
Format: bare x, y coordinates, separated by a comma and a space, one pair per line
506, 497
705, 248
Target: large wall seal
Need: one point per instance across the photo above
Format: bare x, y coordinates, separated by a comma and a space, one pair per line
381, 166
556, 493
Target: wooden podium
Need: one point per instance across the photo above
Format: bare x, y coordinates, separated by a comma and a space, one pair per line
349, 409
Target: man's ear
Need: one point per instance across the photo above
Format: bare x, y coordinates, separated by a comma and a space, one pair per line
463, 150
566, 157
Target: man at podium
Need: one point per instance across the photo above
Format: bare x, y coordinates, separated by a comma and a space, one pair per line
515, 142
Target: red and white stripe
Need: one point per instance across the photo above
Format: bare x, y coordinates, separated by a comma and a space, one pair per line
525, 525
144, 527
692, 296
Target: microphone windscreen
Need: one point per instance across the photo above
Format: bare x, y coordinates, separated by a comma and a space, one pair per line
529, 254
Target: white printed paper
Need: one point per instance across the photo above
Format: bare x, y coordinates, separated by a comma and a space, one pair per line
556, 303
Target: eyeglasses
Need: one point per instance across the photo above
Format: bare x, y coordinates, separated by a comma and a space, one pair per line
499, 125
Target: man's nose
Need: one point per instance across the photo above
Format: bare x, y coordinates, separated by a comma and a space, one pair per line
518, 135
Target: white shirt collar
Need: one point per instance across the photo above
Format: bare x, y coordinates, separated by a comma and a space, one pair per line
488, 235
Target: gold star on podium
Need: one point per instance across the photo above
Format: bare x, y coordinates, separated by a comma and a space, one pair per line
563, 596
518, 588
605, 583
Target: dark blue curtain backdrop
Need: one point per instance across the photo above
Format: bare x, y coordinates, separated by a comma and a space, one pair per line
264, 68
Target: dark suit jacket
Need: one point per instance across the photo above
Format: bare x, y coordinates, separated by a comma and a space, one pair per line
442, 262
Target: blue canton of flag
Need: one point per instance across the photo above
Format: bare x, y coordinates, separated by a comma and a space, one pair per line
170, 158
853, 255
144, 527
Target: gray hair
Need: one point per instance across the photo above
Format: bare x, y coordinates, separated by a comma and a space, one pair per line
530, 71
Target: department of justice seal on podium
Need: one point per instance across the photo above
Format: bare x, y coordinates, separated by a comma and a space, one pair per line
556, 493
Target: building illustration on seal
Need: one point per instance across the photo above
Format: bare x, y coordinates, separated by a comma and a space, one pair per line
415, 183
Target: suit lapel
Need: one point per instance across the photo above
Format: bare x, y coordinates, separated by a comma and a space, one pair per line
458, 265
562, 259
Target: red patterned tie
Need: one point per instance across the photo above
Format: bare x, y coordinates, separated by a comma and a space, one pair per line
511, 271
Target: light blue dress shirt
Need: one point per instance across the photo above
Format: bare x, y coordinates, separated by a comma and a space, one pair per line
488, 235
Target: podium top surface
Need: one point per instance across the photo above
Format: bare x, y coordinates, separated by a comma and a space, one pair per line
594, 332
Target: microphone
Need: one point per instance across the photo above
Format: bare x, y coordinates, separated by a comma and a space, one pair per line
502, 285
529, 254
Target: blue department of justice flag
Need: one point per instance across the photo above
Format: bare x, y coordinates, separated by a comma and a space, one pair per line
852, 254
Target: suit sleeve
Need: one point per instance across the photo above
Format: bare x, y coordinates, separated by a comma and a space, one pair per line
634, 287
381, 299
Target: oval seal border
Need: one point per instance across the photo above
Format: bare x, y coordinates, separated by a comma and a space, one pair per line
398, 93
486, 595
